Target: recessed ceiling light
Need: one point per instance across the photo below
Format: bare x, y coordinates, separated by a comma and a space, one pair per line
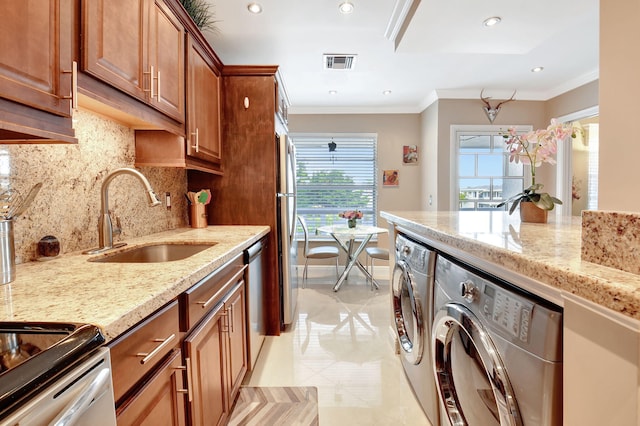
386, 92
254, 8
333, 92
537, 69
345, 7
490, 22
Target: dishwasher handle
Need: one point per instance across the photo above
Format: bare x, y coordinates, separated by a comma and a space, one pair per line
77, 407
253, 251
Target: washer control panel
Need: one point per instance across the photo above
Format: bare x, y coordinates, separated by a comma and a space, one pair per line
413, 253
497, 304
508, 311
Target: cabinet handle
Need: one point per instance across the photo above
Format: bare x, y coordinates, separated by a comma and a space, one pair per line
151, 78
160, 347
74, 85
197, 145
158, 86
231, 321
189, 389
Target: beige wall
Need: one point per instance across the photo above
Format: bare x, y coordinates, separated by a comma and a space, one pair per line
469, 111
431, 153
578, 99
68, 205
619, 106
394, 131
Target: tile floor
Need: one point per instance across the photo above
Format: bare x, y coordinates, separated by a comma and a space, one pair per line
341, 344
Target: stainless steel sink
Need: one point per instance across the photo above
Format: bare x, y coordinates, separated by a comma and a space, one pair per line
162, 252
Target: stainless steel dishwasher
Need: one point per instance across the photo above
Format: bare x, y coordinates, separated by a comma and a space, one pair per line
255, 310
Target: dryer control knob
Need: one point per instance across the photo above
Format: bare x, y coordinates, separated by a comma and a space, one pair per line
468, 290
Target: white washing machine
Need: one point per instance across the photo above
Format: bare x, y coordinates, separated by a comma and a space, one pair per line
412, 302
497, 351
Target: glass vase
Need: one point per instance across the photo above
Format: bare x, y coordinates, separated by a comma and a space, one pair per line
351, 223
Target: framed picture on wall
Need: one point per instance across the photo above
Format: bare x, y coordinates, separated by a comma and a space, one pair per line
410, 154
390, 178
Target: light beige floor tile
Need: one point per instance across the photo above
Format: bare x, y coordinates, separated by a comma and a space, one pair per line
340, 344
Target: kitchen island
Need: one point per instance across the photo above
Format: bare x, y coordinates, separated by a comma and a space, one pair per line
116, 296
601, 328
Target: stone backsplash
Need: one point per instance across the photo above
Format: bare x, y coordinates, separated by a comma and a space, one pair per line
68, 204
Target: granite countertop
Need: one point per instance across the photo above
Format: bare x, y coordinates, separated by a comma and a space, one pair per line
116, 296
542, 258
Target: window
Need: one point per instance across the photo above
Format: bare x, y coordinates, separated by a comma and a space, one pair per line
484, 177
335, 173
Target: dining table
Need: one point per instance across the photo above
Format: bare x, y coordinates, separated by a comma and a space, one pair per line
346, 238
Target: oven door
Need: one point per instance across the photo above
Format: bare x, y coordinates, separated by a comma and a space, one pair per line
408, 313
471, 379
81, 397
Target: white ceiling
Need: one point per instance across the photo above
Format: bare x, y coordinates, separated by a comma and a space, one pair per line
445, 52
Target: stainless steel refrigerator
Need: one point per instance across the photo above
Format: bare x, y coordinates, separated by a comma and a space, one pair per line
287, 222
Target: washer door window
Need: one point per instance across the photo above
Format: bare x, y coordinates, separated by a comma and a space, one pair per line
470, 377
407, 313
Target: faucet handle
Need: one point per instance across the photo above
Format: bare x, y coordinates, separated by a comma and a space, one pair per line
117, 230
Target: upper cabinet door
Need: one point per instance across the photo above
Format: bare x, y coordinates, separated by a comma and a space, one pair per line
36, 54
203, 126
166, 56
114, 43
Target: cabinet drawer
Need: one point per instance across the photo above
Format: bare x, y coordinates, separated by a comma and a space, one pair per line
136, 352
204, 296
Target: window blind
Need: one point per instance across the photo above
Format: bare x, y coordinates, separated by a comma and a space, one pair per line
336, 173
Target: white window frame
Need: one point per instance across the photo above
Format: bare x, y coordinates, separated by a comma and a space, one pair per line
455, 129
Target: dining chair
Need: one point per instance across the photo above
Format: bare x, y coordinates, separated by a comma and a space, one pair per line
375, 253
319, 252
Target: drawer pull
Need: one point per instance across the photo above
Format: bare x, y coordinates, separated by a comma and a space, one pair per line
222, 290
159, 348
209, 301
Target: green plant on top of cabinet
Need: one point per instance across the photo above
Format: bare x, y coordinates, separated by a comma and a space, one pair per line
37, 74
136, 46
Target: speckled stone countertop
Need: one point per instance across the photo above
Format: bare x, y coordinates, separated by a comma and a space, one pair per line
542, 258
116, 296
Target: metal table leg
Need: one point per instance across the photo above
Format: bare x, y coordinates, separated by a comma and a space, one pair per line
352, 259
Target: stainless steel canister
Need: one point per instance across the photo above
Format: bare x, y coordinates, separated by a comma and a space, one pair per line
7, 252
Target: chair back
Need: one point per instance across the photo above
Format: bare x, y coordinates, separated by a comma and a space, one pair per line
303, 223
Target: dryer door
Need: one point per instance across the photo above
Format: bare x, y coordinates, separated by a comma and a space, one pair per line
471, 379
408, 313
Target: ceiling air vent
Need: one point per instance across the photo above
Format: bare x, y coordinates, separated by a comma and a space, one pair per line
339, 62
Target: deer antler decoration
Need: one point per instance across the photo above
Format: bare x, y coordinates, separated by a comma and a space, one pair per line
492, 112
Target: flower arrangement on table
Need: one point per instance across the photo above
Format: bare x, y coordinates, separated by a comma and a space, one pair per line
351, 216
534, 148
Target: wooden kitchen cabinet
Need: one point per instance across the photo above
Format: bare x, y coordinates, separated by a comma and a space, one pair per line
36, 71
250, 163
216, 347
203, 125
147, 370
161, 401
202, 148
136, 46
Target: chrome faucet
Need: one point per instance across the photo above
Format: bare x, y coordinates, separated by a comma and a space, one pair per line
105, 228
